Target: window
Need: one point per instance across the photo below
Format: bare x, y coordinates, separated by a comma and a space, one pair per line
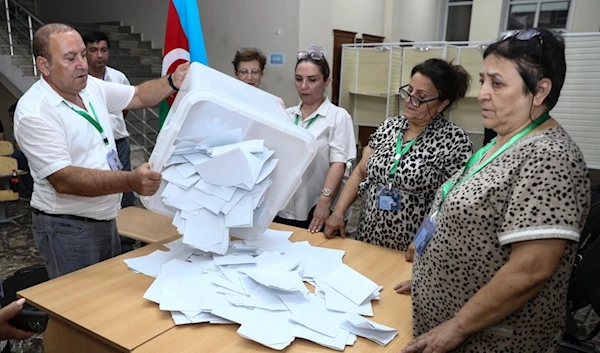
458, 20
540, 13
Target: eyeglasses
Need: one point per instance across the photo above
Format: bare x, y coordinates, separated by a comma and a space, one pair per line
525, 35
312, 54
243, 73
415, 101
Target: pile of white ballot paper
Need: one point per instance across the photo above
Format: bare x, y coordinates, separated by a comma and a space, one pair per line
259, 284
217, 184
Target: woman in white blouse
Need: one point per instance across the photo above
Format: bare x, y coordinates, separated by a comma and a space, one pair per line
332, 128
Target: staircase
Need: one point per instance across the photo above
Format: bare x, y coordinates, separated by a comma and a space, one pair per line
128, 53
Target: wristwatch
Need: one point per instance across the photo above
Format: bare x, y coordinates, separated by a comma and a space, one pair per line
326, 192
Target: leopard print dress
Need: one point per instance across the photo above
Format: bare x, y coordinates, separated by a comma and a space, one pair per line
439, 151
539, 188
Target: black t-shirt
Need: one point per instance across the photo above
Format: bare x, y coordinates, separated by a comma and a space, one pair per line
1, 127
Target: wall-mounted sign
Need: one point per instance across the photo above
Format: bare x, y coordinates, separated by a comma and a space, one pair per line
276, 59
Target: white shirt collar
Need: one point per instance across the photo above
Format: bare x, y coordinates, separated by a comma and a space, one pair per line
53, 98
322, 110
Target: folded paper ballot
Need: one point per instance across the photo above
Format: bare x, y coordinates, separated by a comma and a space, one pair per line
265, 293
366, 328
351, 284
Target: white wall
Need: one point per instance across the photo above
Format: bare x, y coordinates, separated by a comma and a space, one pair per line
232, 24
361, 16
315, 27
147, 17
318, 19
586, 16
416, 20
485, 20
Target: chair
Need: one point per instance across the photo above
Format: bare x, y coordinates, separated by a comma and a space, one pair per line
584, 287
8, 166
6, 148
22, 279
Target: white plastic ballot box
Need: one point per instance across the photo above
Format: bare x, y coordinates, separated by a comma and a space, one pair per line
211, 101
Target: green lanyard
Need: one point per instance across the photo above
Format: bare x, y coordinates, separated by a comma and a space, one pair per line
399, 153
94, 121
450, 185
309, 122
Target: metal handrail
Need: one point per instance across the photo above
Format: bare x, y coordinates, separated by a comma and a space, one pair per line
30, 18
29, 13
12, 7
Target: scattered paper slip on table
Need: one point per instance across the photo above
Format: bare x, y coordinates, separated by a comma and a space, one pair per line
384, 266
101, 309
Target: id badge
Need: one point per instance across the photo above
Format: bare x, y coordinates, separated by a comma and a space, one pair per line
425, 233
388, 199
113, 160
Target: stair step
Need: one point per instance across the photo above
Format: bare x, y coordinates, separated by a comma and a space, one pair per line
140, 69
146, 52
130, 44
124, 60
17, 49
19, 60
134, 57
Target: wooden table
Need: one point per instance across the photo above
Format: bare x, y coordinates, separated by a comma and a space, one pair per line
100, 309
384, 266
144, 225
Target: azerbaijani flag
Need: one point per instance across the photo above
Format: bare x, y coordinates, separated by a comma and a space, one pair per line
183, 42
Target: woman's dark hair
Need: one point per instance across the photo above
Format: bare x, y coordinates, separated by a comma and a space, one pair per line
541, 56
321, 63
249, 54
451, 81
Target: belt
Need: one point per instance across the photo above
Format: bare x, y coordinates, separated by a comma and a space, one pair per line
67, 216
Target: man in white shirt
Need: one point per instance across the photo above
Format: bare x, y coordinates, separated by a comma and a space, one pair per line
62, 126
98, 52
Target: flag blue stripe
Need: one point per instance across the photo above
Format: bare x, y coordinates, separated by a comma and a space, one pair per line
190, 22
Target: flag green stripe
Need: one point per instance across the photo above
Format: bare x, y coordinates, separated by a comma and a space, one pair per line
163, 110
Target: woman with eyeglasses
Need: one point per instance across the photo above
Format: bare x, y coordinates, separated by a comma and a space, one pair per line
249, 65
332, 128
495, 252
407, 159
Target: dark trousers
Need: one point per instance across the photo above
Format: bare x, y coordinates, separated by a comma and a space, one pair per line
67, 245
125, 157
22, 164
296, 223
124, 152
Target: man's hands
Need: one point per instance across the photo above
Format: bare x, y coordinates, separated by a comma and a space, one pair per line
179, 74
6, 330
144, 181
